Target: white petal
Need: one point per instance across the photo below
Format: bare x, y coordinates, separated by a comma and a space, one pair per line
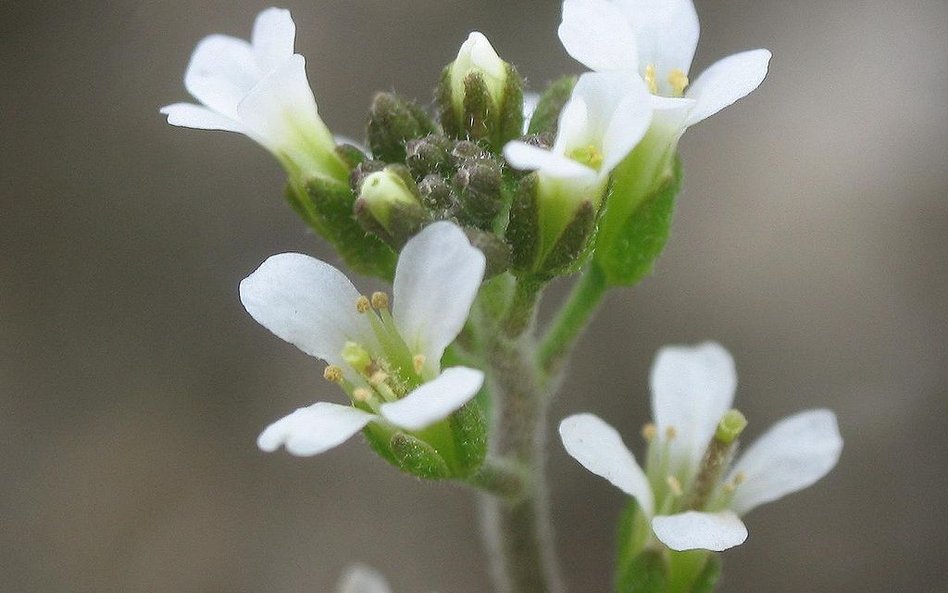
272, 38
597, 35
189, 115
527, 157
573, 128
308, 303
629, 122
281, 109
436, 280
360, 578
700, 531
692, 387
793, 454
599, 448
221, 72
313, 430
435, 400
726, 81
666, 32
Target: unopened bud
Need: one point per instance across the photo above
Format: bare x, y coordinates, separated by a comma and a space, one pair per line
428, 155
436, 194
393, 122
481, 96
479, 184
545, 119
389, 206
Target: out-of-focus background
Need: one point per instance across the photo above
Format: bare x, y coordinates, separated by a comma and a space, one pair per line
810, 240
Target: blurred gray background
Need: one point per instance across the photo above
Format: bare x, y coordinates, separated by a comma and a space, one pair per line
810, 240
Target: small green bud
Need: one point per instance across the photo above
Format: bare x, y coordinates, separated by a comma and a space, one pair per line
545, 119
389, 205
730, 427
363, 170
437, 195
479, 184
394, 121
350, 155
431, 154
480, 95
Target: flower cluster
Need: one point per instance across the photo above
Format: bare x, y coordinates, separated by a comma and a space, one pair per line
469, 211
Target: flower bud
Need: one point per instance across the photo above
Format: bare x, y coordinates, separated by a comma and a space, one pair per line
431, 154
389, 206
479, 185
437, 195
545, 118
394, 121
480, 95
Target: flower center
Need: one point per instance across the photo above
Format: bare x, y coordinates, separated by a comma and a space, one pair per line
678, 487
381, 376
676, 80
589, 155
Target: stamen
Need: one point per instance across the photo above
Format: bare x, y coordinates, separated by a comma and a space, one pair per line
377, 378
379, 301
650, 79
678, 81
589, 155
649, 432
361, 394
418, 362
674, 485
362, 304
671, 432
333, 374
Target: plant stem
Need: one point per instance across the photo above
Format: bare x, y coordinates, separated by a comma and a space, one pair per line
518, 531
572, 319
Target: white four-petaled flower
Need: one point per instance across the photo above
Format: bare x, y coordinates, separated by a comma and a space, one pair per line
259, 89
657, 40
388, 362
692, 389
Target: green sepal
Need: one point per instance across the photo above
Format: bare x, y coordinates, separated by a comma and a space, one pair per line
523, 228
326, 205
707, 580
478, 108
546, 116
571, 250
627, 248
495, 250
469, 427
430, 155
510, 118
646, 572
450, 121
350, 155
394, 121
416, 457
479, 187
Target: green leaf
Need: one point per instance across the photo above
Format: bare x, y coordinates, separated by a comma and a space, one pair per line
628, 248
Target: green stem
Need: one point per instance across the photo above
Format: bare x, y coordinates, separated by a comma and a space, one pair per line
523, 306
572, 319
518, 530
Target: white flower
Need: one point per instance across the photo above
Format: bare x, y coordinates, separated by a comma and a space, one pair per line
691, 501
388, 362
259, 89
657, 39
605, 117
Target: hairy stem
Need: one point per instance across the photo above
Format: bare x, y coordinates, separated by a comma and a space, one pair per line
572, 319
518, 530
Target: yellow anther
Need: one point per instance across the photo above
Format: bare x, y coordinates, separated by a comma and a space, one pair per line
361, 394
650, 79
377, 378
649, 432
739, 478
671, 432
379, 300
418, 362
678, 81
363, 304
674, 485
333, 373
